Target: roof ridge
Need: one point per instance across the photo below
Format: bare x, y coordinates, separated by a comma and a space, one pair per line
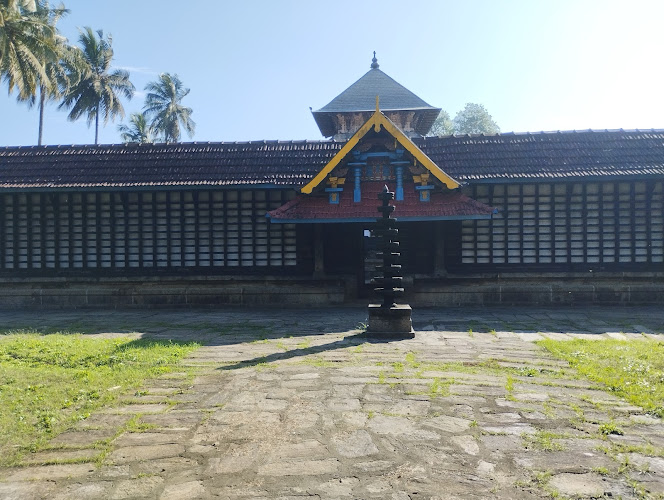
124, 145
553, 132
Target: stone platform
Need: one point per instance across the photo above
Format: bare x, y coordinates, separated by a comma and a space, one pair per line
301, 405
390, 322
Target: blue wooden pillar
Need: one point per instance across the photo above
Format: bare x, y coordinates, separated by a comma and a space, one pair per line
357, 193
399, 191
334, 194
425, 192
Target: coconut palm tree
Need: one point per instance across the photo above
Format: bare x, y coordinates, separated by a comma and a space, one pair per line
164, 109
27, 42
58, 79
138, 130
97, 91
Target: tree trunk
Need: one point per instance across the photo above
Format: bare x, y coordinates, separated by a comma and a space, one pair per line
42, 102
97, 126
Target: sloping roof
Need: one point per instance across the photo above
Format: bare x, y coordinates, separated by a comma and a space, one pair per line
443, 206
361, 97
550, 155
194, 164
508, 157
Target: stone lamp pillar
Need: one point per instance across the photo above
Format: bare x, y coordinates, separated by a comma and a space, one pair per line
389, 319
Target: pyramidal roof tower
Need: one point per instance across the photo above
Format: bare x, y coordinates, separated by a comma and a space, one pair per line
346, 113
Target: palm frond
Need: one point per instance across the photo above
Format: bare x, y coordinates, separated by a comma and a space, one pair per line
164, 109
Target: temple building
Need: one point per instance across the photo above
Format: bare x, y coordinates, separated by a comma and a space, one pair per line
561, 217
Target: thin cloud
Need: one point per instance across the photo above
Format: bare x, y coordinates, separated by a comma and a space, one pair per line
138, 69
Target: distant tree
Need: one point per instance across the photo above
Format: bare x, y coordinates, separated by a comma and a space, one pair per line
442, 126
138, 130
164, 109
98, 88
474, 119
27, 42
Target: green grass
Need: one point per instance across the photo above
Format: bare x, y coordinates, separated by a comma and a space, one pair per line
543, 440
439, 387
631, 369
608, 428
49, 382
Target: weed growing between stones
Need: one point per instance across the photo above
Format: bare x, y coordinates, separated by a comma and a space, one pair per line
304, 344
608, 428
439, 387
543, 440
538, 481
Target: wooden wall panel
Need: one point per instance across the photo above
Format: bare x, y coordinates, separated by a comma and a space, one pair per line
103, 231
567, 226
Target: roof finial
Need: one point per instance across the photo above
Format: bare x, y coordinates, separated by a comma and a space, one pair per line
374, 62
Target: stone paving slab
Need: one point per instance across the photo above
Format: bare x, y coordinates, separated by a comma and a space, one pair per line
279, 409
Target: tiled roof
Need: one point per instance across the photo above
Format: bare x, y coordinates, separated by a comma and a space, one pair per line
442, 206
361, 96
551, 155
186, 164
508, 157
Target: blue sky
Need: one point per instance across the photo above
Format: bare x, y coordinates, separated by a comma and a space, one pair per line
255, 67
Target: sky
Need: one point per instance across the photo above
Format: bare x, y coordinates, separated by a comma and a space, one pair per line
255, 67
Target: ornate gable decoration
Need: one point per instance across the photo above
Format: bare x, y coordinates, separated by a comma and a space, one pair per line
358, 157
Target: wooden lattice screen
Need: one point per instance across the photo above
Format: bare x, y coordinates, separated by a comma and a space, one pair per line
608, 225
144, 230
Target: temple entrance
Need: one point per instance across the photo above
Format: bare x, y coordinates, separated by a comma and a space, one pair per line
350, 250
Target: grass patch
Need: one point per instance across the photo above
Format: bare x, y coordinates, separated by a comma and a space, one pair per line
49, 382
304, 344
608, 428
543, 440
439, 387
631, 369
411, 359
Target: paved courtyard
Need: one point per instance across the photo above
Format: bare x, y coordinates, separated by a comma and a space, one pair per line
301, 404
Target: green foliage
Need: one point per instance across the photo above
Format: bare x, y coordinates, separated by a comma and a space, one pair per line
138, 130
439, 387
411, 360
398, 367
631, 369
28, 41
543, 440
163, 107
98, 89
304, 344
442, 126
47, 383
608, 428
475, 119
472, 119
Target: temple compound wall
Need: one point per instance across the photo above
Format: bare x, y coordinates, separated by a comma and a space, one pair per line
549, 243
